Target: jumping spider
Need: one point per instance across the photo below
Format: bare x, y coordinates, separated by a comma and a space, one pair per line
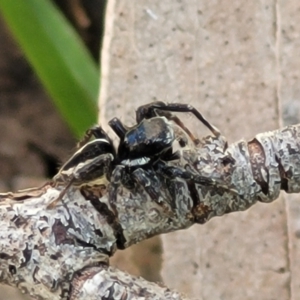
145, 147
149, 144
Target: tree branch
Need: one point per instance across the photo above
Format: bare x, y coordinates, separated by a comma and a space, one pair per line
63, 253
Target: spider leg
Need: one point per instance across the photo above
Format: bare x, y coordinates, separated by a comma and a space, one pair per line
148, 111
115, 182
176, 172
162, 109
118, 127
60, 196
178, 107
93, 169
96, 132
90, 171
169, 155
152, 185
148, 181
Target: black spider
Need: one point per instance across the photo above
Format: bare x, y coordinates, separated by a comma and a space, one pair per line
143, 148
149, 144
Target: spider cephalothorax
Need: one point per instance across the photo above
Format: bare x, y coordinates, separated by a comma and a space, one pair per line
145, 142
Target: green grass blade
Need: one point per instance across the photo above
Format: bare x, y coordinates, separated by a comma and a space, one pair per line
58, 56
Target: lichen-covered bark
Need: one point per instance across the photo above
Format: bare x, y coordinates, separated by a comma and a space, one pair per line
259, 170
63, 252
104, 282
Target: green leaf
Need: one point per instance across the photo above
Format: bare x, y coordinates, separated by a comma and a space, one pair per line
58, 56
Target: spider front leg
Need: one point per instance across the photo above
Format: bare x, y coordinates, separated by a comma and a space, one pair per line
89, 164
162, 109
93, 171
97, 132
149, 181
116, 181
